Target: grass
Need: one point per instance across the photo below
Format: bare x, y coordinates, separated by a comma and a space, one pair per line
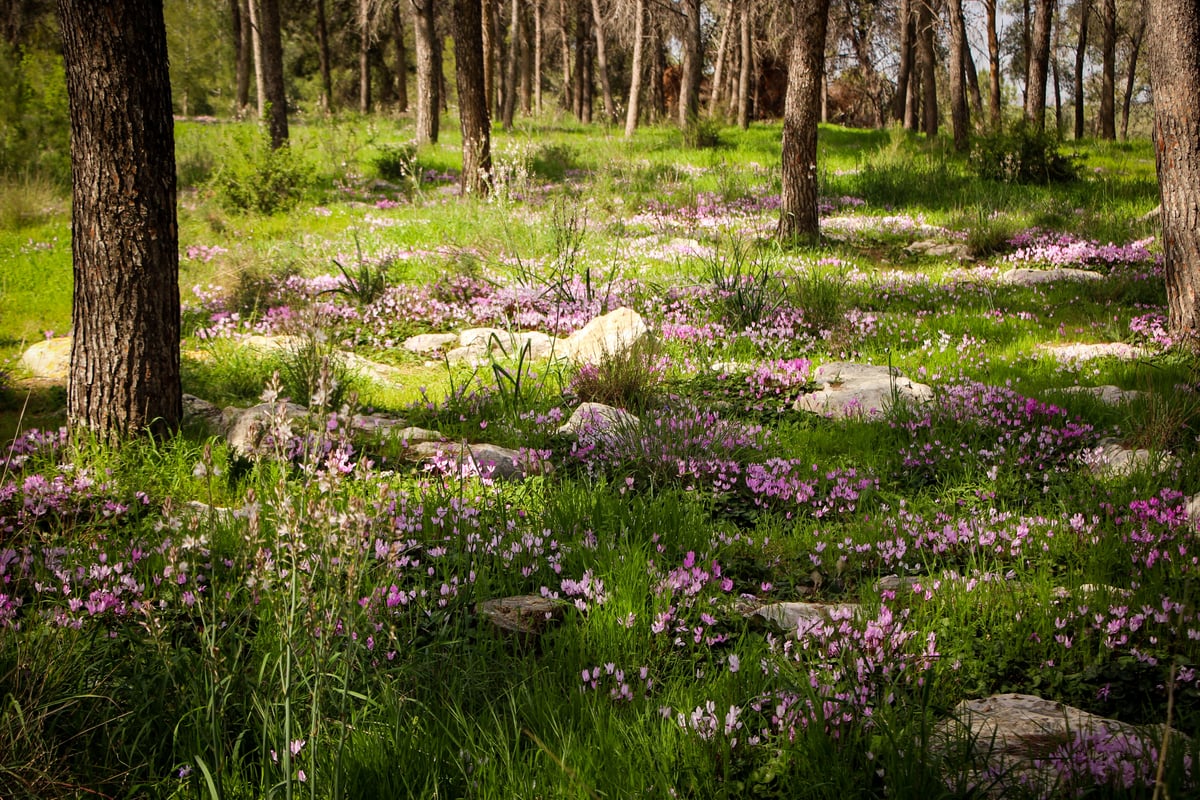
313, 630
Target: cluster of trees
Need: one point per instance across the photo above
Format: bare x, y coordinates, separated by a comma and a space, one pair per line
125, 359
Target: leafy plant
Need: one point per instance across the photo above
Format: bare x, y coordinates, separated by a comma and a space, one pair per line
363, 283
744, 288
263, 179
1023, 155
631, 379
312, 372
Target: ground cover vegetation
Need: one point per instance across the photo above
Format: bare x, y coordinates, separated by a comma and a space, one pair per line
180, 620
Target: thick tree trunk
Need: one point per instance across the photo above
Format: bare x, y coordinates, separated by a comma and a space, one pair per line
995, 116
693, 63
323, 59
514, 60
564, 43
1135, 47
256, 50
365, 26
960, 121
1085, 11
243, 55
473, 106
401, 59
488, 32
610, 106
973, 86
124, 377
272, 62
635, 75
714, 97
798, 214
1174, 53
1108, 71
658, 67
429, 70
537, 56
1039, 63
904, 74
926, 20
745, 64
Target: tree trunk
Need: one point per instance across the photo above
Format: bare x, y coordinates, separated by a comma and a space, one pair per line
488, 32
124, 376
537, 56
256, 50
242, 55
1054, 74
904, 74
973, 86
588, 44
610, 106
364, 56
960, 121
1174, 53
693, 63
514, 59
323, 59
714, 97
798, 215
658, 68
272, 65
401, 59
564, 43
578, 75
1108, 71
526, 63
1085, 11
745, 64
926, 19
1135, 46
995, 117
1039, 63
428, 71
635, 74
473, 106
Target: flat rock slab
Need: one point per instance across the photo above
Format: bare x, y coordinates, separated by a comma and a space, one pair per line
1072, 353
1024, 276
613, 334
430, 342
1107, 394
49, 360
523, 615
1012, 738
1111, 459
594, 420
200, 410
935, 249
487, 460
850, 390
790, 618
247, 428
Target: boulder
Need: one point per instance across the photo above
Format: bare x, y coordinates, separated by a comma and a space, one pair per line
613, 334
789, 617
1075, 352
935, 249
850, 389
488, 460
49, 360
593, 420
1024, 276
195, 409
430, 342
1107, 394
523, 616
246, 428
1111, 459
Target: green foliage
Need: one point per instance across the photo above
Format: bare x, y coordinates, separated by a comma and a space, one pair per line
28, 200
702, 133
631, 380
744, 287
395, 162
1023, 155
34, 123
551, 160
255, 177
313, 373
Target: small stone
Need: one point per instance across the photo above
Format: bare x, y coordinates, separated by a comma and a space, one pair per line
851, 389
429, 342
247, 427
1076, 352
935, 249
49, 360
1024, 276
1111, 459
595, 419
524, 615
487, 460
607, 336
788, 617
1107, 394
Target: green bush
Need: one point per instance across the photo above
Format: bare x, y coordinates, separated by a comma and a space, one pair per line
34, 124
395, 162
1023, 155
259, 178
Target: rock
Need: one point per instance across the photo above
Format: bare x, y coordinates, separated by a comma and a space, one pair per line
935, 249
380, 373
1111, 459
247, 427
1107, 394
1075, 352
613, 334
593, 420
859, 389
49, 360
1012, 738
412, 436
481, 338
523, 616
271, 344
1024, 276
487, 460
429, 342
789, 617
897, 583
377, 424
472, 356
195, 409
1193, 509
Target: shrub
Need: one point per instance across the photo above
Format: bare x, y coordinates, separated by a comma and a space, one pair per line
34, 123
743, 286
552, 161
396, 162
629, 380
1023, 155
312, 372
263, 179
702, 133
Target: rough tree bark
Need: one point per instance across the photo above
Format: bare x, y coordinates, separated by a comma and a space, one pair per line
365, 34
473, 107
745, 64
323, 59
509, 107
1174, 54
995, 119
537, 57
635, 75
904, 75
271, 40
714, 96
429, 71
1085, 11
1136, 37
960, 121
124, 377
693, 63
1039, 65
658, 66
798, 216
567, 100
1108, 71
926, 20
610, 106
401, 59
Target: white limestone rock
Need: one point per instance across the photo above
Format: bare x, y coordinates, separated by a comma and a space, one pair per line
849, 389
